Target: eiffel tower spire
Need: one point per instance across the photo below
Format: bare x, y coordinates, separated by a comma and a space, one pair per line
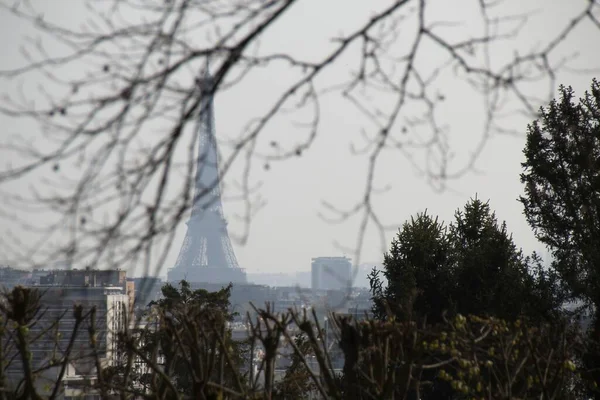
206, 255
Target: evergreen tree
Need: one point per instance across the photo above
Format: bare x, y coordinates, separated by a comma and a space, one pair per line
562, 194
195, 339
491, 275
417, 269
471, 267
562, 187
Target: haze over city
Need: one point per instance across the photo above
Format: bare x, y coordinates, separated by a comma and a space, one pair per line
299, 199
294, 225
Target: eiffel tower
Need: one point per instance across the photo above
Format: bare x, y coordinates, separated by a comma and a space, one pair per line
206, 256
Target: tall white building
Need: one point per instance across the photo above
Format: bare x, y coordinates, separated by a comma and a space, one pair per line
331, 273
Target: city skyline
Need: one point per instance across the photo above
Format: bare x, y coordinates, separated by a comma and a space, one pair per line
295, 225
299, 199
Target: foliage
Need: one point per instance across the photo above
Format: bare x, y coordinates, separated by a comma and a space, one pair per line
417, 269
476, 357
471, 267
561, 174
297, 382
493, 358
490, 274
489, 269
194, 324
562, 187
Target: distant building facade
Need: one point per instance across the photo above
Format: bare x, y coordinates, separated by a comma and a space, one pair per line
84, 277
11, 277
331, 273
111, 296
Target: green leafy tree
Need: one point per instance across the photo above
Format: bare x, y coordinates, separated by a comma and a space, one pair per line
296, 383
562, 187
471, 267
491, 275
561, 174
417, 269
195, 340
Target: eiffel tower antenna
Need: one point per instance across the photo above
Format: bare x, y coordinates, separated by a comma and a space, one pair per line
206, 255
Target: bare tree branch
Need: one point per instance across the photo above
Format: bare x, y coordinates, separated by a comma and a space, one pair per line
120, 102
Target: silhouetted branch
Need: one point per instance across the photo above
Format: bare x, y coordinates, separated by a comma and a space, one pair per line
122, 102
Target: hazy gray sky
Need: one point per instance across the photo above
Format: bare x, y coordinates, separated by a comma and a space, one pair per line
289, 230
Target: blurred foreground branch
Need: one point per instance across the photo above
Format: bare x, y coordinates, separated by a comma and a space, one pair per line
120, 101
